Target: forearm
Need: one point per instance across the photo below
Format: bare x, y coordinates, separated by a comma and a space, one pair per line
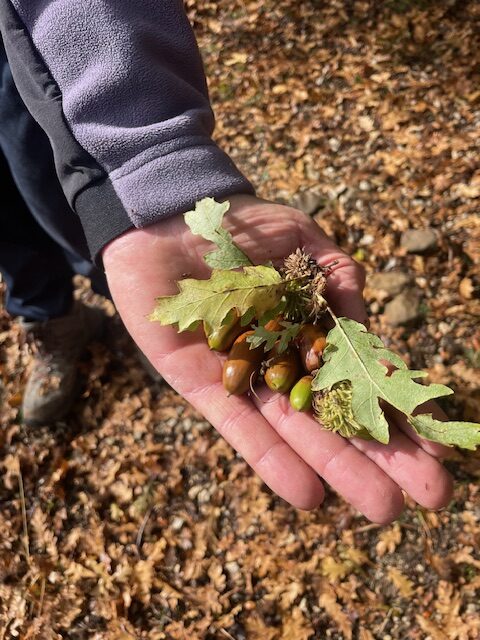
119, 88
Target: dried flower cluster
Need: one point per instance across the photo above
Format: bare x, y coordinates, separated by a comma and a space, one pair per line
308, 281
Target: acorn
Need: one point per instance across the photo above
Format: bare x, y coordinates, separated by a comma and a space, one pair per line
301, 394
223, 337
274, 324
311, 341
282, 370
242, 366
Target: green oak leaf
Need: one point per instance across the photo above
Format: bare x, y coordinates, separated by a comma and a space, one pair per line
206, 221
273, 313
260, 288
247, 317
262, 335
354, 354
461, 434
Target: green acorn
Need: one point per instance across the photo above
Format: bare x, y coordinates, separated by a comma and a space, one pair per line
333, 408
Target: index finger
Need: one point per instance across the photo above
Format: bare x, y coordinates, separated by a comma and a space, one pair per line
196, 373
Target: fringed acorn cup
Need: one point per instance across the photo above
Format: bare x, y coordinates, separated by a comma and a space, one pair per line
333, 409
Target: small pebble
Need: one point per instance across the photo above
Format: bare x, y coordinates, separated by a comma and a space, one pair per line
232, 567
177, 523
366, 240
391, 282
444, 328
334, 144
185, 544
419, 240
308, 201
403, 309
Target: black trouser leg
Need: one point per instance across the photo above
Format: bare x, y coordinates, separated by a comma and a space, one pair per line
41, 239
38, 277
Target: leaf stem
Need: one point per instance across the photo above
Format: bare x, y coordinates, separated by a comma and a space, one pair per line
350, 344
329, 309
26, 542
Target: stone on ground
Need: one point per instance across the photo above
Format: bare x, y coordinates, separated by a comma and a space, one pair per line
419, 240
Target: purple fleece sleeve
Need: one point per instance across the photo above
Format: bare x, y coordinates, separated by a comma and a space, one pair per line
133, 96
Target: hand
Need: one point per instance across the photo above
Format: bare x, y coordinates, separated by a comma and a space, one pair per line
289, 450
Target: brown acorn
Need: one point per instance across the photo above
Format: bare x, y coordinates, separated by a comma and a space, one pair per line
311, 341
274, 324
282, 370
242, 365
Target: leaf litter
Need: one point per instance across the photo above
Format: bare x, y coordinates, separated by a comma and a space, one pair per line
376, 107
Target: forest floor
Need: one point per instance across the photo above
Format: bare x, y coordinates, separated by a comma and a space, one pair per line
132, 518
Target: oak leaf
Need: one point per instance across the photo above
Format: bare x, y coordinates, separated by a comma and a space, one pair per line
259, 287
462, 434
401, 582
297, 626
334, 570
355, 355
206, 221
328, 601
388, 540
270, 338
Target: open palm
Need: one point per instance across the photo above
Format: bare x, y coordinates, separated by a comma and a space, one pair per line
289, 450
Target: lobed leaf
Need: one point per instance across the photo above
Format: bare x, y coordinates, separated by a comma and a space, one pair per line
354, 354
206, 221
461, 434
259, 288
284, 337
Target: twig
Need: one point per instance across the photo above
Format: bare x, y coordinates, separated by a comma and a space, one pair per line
125, 630
42, 595
401, 207
26, 540
225, 633
329, 309
255, 394
424, 524
327, 269
379, 630
141, 530
367, 527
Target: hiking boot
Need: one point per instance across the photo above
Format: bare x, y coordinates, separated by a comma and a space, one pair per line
57, 345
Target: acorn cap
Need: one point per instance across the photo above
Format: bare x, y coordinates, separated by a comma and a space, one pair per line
333, 409
299, 265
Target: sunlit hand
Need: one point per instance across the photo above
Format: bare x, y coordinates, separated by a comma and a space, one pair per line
289, 450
